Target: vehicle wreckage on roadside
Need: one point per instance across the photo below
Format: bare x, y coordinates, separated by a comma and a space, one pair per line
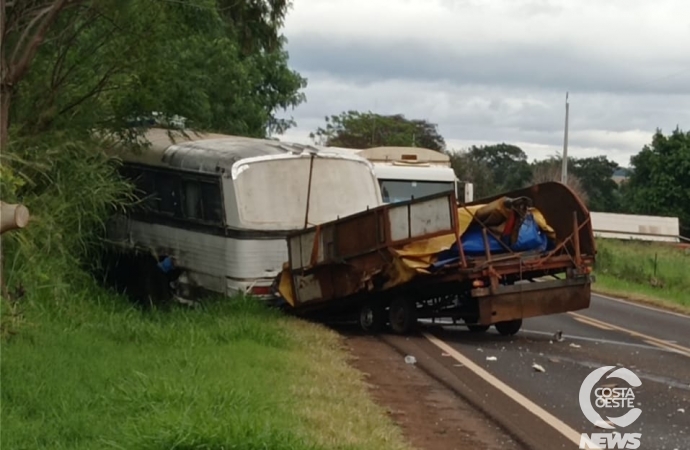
495, 261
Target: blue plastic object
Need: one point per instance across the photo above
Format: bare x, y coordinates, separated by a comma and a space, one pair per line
166, 265
530, 238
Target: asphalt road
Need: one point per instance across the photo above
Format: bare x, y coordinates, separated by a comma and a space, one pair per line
653, 344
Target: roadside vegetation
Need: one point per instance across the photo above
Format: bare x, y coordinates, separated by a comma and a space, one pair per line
82, 367
647, 271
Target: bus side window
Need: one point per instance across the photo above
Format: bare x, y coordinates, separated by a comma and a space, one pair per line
213, 205
192, 200
143, 186
168, 190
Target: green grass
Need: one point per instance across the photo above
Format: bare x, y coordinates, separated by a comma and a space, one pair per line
82, 369
94, 373
647, 271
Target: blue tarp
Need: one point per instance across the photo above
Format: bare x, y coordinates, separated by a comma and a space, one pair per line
530, 238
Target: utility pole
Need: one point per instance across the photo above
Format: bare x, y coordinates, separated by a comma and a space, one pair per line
564, 170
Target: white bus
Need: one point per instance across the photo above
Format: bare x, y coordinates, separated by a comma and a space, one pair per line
218, 208
412, 172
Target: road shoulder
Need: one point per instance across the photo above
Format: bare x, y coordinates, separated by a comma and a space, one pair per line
430, 415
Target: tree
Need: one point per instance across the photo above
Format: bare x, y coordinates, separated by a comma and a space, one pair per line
508, 164
355, 129
471, 170
219, 64
596, 177
551, 169
660, 181
24, 25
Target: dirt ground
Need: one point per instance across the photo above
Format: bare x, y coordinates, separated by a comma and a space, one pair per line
431, 416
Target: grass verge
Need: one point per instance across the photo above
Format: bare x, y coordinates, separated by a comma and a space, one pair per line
93, 372
83, 369
649, 272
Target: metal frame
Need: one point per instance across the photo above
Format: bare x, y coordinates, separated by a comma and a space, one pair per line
383, 229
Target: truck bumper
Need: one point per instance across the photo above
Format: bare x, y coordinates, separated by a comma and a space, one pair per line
542, 298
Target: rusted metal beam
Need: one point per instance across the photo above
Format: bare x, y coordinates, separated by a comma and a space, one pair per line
576, 240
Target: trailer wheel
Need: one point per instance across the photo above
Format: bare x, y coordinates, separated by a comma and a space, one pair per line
402, 315
372, 317
478, 328
509, 327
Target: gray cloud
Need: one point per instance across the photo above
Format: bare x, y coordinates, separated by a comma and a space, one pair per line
543, 66
497, 70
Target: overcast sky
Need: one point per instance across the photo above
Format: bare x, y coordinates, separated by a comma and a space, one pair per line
489, 71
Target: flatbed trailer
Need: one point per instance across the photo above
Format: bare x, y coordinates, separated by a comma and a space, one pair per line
401, 262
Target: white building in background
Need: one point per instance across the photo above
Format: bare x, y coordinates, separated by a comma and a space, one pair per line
632, 226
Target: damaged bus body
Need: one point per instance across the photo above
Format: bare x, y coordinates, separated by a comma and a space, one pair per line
496, 261
217, 209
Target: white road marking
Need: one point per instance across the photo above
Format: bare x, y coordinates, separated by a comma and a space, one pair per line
652, 340
523, 401
639, 305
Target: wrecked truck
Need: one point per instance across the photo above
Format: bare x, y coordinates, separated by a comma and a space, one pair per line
495, 261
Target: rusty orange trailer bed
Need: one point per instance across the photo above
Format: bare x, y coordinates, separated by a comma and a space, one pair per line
383, 264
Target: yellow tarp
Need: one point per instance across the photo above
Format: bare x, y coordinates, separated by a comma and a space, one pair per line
415, 257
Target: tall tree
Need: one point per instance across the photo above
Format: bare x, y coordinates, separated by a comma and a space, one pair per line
220, 64
477, 172
551, 169
355, 129
508, 164
596, 176
590, 178
24, 26
660, 181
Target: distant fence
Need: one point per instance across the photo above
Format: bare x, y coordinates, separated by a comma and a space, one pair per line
632, 226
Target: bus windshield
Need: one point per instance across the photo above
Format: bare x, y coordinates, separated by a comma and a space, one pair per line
394, 191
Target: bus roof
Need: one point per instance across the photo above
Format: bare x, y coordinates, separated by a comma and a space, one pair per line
206, 152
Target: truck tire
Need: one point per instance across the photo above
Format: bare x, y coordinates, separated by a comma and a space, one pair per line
402, 315
372, 317
509, 327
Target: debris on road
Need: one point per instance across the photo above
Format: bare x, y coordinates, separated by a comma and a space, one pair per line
409, 359
575, 345
558, 336
491, 358
681, 410
538, 368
